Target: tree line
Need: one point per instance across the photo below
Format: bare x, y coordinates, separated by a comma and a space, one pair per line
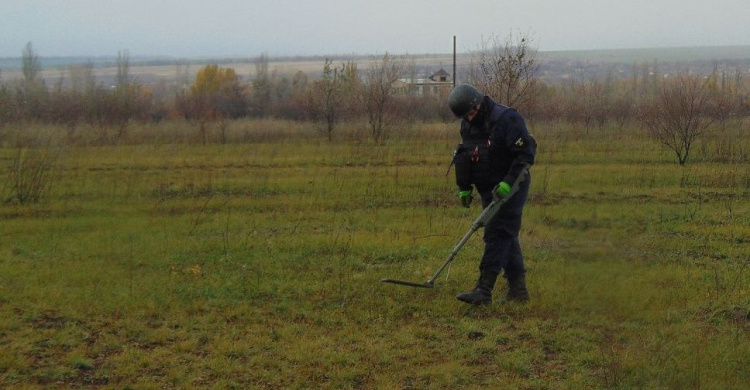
377, 95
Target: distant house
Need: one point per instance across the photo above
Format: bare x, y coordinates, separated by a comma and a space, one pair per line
440, 82
441, 76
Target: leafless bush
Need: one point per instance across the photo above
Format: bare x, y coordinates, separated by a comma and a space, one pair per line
677, 116
725, 99
377, 92
506, 71
329, 96
32, 174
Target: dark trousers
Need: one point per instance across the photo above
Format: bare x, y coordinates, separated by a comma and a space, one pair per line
502, 250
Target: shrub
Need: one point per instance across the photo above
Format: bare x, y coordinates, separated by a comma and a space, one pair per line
32, 174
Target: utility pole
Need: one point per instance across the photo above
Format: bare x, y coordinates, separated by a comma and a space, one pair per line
454, 61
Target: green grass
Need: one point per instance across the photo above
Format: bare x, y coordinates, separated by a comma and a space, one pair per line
257, 265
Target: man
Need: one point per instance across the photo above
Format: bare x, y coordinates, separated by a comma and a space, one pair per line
496, 150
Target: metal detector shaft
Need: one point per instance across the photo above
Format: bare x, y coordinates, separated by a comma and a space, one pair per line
453, 254
481, 221
431, 282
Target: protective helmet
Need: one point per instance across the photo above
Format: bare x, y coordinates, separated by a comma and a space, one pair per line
463, 98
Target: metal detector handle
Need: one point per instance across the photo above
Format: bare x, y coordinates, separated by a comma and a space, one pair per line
497, 202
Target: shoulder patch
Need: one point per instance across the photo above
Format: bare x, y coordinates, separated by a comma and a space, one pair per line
520, 142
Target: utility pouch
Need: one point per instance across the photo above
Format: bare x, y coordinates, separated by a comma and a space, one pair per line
473, 165
480, 170
462, 161
481, 165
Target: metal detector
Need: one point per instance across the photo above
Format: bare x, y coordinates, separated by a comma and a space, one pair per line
481, 221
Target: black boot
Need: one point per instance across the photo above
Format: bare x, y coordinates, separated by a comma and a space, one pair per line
517, 288
482, 293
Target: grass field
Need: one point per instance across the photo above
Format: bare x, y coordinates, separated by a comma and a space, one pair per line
256, 264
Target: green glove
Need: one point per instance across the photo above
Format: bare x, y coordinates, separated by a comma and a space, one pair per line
465, 198
503, 189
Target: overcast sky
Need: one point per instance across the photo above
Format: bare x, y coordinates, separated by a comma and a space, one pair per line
248, 28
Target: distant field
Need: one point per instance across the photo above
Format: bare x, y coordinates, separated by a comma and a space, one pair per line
628, 56
151, 70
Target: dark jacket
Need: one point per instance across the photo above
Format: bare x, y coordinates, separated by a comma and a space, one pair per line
497, 146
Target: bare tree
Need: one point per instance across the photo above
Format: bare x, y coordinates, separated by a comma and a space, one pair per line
33, 91
123, 70
262, 87
125, 91
723, 96
331, 93
593, 101
677, 115
506, 71
68, 106
379, 87
30, 64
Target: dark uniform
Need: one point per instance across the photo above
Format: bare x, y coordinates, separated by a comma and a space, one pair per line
496, 146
